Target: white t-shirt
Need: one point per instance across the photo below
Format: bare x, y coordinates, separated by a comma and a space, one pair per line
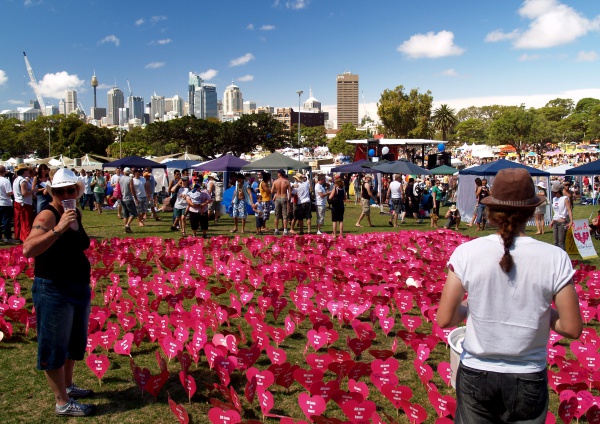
303, 192
5, 190
139, 185
559, 208
396, 189
508, 321
114, 179
180, 203
319, 189
28, 200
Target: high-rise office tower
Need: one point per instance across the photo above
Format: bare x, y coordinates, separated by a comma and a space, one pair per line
347, 99
249, 106
232, 100
174, 104
70, 101
116, 99
202, 98
136, 107
157, 108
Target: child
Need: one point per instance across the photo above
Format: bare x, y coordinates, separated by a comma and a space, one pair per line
259, 212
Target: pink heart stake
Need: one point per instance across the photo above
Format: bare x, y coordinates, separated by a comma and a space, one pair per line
445, 372
443, 405
324, 390
311, 405
411, 322
396, 394
123, 346
307, 377
98, 364
265, 400
416, 413
188, 383
359, 412
220, 416
179, 412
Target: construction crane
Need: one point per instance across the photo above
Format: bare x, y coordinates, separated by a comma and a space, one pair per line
35, 86
129, 87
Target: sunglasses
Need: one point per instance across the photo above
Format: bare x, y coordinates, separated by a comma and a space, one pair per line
61, 190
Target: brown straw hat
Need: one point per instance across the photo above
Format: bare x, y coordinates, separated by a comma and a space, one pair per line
513, 189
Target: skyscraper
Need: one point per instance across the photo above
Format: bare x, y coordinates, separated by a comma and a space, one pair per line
347, 99
116, 99
157, 107
232, 100
202, 98
70, 101
136, 107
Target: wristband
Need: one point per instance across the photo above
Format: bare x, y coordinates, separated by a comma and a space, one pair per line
56, 233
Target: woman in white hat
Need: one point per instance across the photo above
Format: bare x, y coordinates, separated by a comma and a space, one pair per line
61, 291
540, 211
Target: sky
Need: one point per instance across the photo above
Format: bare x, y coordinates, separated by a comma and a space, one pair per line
465, 52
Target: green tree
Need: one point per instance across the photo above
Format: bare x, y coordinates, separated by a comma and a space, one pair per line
10, 128
313, 137
472, 130
405, 115
444, 120
338, 143
557, 109
89, 138
513, 127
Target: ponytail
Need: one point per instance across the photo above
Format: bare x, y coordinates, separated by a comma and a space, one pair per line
509, 223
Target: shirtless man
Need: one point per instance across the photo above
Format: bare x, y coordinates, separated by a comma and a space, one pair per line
281, 195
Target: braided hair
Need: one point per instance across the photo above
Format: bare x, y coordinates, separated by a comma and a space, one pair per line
508, 223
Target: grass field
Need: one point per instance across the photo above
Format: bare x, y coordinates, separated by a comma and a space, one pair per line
26, 398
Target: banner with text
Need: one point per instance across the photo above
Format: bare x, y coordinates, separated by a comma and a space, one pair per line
583, 239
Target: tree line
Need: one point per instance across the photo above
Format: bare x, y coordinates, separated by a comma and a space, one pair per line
403, 114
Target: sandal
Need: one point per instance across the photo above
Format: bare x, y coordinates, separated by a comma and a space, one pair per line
158, 218
233, 231
358, 225
183, 234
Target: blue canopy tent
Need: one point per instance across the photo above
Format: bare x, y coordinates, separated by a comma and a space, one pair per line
225, 163
352, 168
181, 164
133, 162
466, 188
592, 168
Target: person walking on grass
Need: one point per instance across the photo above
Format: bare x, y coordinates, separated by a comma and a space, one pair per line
337, 196
129, 199
302, 190
88, 195
366, 195
181, 190
6, 207
510, 308
198, 200
151, 192
321, 195
395, 194
114, 180
140, 185
242, 197
99, 184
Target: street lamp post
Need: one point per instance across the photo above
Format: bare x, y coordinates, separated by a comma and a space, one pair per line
120, 144
49, 129
299, 92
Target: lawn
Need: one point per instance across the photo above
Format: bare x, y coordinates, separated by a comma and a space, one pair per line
347, 301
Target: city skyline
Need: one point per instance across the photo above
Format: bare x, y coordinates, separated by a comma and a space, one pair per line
478, 54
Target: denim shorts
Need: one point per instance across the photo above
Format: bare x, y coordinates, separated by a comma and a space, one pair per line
128, 209
486, 396
63, 312
178, 212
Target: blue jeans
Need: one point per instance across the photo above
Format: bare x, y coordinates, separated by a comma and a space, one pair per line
492, 397
63, 313
480, 213
88, 198
560, 233
6, 216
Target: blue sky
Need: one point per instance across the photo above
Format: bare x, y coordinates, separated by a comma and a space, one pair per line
464, 52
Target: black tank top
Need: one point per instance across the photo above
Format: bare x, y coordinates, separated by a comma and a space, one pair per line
485, 192
65, 261
365, 193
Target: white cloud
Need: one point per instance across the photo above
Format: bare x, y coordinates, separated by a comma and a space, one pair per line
529, 57
267, 27
3, 78
54, 85
28, 3
551, 24
110, 39
160, 42
533, 100
250, 27
430, 45
155, 65
449, 73
104, 86
296, 4
590, 56
246, 78
140, 22
242, 60
156, 19
15, 102
208, 74
499, 35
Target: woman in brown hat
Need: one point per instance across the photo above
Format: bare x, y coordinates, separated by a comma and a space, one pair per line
502, 376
